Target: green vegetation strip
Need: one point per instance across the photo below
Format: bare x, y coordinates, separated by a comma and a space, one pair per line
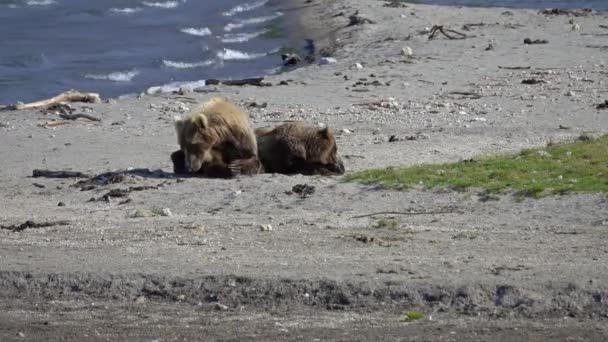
558, 168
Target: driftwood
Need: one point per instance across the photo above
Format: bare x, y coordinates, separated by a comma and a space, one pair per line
255, 81
442, 30
514, 67
58, 174
76, 116
68, 96
32, 224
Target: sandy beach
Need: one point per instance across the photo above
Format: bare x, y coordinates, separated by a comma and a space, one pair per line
119, 268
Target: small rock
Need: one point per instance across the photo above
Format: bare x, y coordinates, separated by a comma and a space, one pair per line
393, 138
140, 300
346, 131
570, 93
576, 27
142, 213
376, 131
358, 66
543, 153
20, 334
153, 90
61, 204
181, 297
219, 306
266, 227
166, 212
462, 112
407, 51
327, 60
479, 119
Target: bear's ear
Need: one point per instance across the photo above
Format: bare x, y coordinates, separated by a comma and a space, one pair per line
324, 132
200, 121
179, 124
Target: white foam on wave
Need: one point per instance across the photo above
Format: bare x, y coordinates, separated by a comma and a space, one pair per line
252, 21
201, 32
240, 37
165, 4
244, 8
40, 2
185, 65
117, 76
228, 54
127, 10
176, 86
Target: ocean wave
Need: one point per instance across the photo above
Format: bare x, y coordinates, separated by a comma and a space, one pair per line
201, 32
184, 65
117, 76
176, 86
40, 2
165, 4
251, 21
127, 10
244, 8
240, 37
228, 54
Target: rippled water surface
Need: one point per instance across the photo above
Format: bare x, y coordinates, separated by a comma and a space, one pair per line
124, 46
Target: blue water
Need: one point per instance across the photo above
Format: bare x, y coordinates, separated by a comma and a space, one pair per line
124, 46
598, 5
117, 47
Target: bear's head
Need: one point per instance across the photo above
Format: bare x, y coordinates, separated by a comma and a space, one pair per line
195, 140
325, 152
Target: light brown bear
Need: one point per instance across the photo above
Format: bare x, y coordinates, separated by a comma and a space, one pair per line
296, 148
214, 136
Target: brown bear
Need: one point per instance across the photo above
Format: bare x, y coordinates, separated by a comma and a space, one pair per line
214, 136
296, 148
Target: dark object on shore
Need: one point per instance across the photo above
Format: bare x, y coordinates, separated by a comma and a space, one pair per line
394, 4
290, 59
356, 19
583, 12
532, 81
58, 174
32, 224
68, 96
304, 190
603, 105
76, 116
393, 138
255, 81
442, 30
535, 41
515, 67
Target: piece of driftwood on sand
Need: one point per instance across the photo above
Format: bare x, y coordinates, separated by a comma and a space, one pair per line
65, 97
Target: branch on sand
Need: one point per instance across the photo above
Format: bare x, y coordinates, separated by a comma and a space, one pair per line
409, 213
63, 98
442, 30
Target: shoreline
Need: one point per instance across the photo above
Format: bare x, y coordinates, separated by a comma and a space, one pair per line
489, 268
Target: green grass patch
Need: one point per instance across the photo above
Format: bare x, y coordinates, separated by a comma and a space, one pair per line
412, 315
387, 223
556, 169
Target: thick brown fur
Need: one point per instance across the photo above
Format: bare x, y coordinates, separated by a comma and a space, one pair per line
214, 136
296, 148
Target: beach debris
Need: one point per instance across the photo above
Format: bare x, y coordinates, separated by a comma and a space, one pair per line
529, 41
442, 30
603, 105
58, 174
514, 67
166, 212
407, 51
582, 12
31, 224
393, 138
346, 131
532, 81
394, 4
257, 105
576, 27
303, 190
327, 60
358, 66
77, 116
61, 99
290, 59
464, 95
265, 227
356, 19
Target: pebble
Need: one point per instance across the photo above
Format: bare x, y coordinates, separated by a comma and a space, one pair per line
219, 306
462, 112
140, 300
166, 212
141, 213
358, 66
266, 227
327, 60
479, 119
346, 131
576, 27
570, 93
543, 153
20, 334
181, 297
407, 51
